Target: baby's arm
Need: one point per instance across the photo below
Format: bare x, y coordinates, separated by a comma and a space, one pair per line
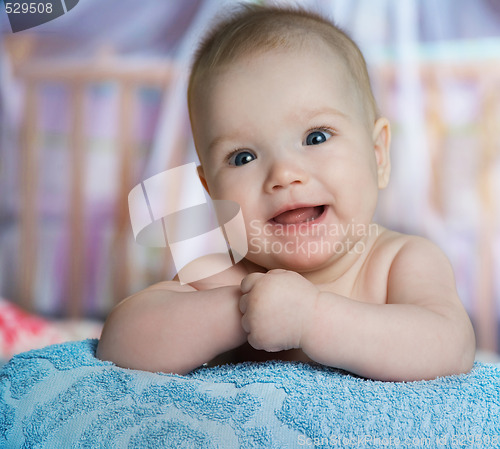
421, 333
172, 328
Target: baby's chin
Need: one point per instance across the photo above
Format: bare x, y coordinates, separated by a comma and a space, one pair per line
299, 263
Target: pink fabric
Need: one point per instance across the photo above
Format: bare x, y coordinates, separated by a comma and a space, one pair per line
21, 331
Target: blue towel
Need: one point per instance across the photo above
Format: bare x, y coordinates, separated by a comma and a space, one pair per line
63, 397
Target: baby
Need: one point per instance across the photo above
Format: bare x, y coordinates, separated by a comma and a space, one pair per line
285, 124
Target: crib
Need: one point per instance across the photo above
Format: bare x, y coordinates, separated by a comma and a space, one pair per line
76, 78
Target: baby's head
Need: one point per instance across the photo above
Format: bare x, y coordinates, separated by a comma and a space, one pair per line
285, 124
257, 29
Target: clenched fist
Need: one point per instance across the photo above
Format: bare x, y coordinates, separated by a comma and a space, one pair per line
277, 307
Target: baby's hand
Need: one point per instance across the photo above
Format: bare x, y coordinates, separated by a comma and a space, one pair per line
276, 308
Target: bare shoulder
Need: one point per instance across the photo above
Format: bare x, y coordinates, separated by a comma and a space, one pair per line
418, 255
419, 273
416, 270
390, 242
386, 246
391, 246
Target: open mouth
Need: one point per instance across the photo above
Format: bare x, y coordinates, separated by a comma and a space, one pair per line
299, 215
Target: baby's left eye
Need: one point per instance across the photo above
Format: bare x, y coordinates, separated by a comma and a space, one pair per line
317, 137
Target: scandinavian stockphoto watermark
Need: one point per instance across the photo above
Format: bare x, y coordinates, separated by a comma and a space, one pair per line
308, 241
446, 440
28, 14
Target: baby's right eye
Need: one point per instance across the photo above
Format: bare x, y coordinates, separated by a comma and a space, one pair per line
241, 157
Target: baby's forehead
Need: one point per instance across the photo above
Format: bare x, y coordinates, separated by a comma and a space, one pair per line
293, 48
332, 73
333, 60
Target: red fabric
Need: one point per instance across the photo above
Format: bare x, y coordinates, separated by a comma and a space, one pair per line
21, 331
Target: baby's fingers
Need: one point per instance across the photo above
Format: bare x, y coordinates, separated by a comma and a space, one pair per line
249, 281
243, 303
245, 324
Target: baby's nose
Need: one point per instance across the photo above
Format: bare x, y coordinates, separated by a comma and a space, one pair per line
284, 173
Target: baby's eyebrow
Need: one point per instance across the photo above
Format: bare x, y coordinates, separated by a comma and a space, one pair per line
309, 114
220, 140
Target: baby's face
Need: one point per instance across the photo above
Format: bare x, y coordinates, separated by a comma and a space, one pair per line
285, 135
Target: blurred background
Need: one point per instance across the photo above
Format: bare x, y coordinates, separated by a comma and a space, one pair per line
93, 103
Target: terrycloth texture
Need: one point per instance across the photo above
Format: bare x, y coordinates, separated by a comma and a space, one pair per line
63, 397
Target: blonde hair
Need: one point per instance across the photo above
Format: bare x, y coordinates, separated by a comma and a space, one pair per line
256, 28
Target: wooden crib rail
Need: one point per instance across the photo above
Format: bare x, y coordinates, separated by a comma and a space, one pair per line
77, 76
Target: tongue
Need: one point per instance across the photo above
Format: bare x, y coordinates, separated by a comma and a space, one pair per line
300, 215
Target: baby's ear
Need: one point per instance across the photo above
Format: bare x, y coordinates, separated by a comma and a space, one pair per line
381, 145
201, 174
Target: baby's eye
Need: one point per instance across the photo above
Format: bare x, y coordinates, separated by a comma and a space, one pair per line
317, 137
239, 158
